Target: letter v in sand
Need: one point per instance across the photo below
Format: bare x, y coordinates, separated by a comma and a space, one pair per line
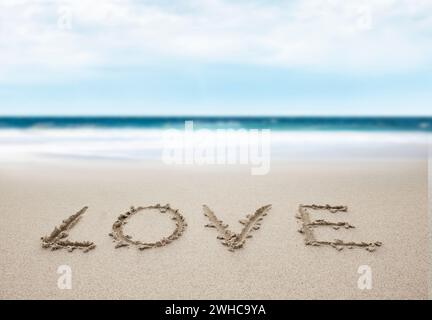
236, 240
58, 237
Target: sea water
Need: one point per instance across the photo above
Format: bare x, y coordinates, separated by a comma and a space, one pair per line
141, 138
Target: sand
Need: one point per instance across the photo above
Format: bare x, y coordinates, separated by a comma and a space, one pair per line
386, 200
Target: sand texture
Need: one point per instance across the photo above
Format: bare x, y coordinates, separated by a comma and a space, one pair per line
282, 228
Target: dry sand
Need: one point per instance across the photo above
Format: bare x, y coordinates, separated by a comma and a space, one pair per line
387, 202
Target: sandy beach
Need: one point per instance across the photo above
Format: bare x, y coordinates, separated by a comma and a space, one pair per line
217, 150
387, 202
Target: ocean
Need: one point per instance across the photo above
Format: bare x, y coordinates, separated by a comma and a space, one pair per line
143, 138
419, 124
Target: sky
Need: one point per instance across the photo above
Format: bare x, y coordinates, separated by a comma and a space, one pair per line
216, 57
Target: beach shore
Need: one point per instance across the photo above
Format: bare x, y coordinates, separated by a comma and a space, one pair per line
387, 201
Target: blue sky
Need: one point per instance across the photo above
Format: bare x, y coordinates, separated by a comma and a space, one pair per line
316, 57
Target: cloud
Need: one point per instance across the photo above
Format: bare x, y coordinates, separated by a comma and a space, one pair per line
75, 36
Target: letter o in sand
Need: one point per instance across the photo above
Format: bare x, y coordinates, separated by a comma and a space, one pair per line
126, 240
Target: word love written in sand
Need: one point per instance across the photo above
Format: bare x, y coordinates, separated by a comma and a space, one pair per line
58, 239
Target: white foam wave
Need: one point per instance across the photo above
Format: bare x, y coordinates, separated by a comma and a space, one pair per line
144, 144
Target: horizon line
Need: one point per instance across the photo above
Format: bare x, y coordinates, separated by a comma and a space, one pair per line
211, 116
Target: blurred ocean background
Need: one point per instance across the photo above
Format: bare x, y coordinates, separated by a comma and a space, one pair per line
141, 138
416, 124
